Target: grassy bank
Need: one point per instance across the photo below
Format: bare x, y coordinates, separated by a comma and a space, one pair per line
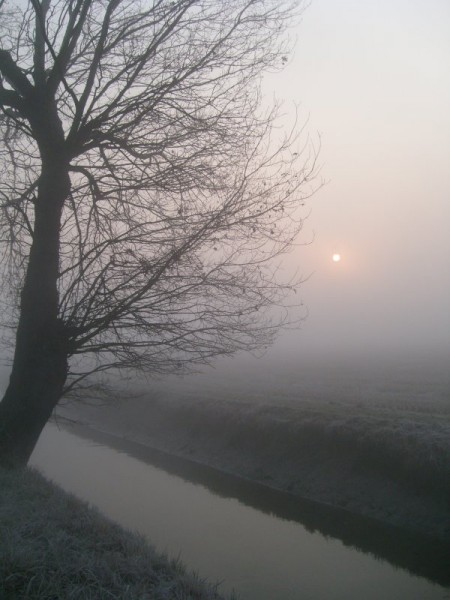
54, 546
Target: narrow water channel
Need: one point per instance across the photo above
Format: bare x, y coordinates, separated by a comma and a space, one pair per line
262, 556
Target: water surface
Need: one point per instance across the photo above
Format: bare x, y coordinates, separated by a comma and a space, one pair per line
260, 555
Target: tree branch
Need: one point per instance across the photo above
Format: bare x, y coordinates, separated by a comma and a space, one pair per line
14, 75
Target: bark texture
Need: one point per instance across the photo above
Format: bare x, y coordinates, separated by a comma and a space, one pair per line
41, 354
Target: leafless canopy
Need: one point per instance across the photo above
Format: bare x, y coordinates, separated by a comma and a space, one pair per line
183, 190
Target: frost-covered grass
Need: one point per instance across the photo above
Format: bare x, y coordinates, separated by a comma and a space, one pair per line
53, 546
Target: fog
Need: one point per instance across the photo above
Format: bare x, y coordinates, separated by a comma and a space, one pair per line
349, 412
372, 79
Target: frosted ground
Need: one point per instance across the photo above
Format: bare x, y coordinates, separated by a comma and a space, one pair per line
52, 545
375, 441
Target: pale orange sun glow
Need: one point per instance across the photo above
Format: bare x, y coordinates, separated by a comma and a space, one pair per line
336, 257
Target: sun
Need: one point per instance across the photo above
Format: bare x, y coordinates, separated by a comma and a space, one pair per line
336, 257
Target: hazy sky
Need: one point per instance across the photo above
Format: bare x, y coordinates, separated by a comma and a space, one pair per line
374, 78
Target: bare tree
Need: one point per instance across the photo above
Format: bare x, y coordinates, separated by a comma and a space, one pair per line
145, 191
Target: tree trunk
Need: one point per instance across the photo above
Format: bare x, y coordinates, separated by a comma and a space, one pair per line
41, 357
27, 405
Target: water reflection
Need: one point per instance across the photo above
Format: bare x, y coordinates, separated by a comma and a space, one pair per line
418, 554
263, 557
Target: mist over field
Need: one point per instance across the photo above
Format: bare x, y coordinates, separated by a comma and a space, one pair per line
349, 410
